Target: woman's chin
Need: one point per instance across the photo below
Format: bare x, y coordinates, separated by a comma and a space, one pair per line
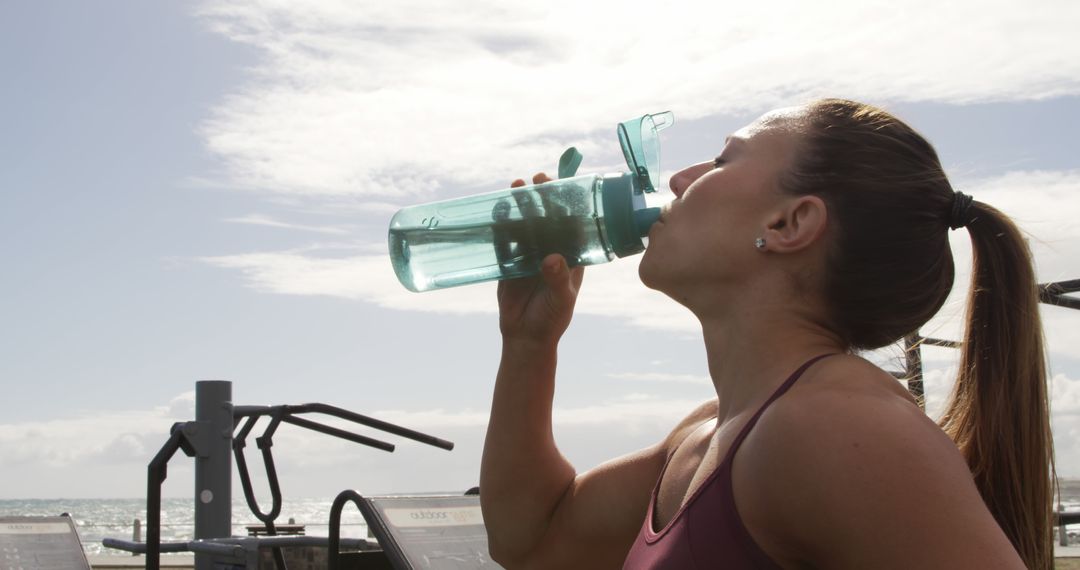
648, 273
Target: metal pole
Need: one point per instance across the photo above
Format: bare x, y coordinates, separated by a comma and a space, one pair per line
914, 368
213, 464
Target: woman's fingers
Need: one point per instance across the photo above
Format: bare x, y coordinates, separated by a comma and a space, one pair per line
538, 178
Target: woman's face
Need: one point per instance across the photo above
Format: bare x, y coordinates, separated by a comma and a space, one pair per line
705, 237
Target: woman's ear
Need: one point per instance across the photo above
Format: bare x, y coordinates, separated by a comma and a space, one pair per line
798, 224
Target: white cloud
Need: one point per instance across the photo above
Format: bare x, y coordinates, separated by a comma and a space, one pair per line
660, 377
390, 99
61, 443
631, 408
362, 277
261, 220
113, 436
182, 407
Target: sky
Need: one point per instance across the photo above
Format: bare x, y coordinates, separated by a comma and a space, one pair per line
201, 190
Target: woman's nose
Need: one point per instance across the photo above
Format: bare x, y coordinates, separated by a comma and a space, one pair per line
682, 179
674, 185
679, 181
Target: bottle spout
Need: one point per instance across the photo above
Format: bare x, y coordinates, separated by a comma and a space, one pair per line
644, 219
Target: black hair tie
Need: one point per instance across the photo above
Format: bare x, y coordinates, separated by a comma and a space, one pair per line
960, 215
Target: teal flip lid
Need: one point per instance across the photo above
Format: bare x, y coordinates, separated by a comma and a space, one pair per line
641, 147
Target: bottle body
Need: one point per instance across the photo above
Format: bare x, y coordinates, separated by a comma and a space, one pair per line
499, 235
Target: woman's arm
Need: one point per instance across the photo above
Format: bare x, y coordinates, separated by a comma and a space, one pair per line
522, 474
538, 511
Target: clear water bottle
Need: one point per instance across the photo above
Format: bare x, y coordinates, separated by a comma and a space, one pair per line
505, 234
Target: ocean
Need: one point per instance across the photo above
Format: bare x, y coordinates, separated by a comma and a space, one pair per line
114, 518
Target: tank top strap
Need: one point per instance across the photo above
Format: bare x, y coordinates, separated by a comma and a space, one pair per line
779, 392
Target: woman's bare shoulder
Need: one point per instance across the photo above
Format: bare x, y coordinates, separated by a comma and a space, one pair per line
861, 415
848, 448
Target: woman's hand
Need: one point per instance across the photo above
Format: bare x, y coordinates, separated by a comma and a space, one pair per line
539, 308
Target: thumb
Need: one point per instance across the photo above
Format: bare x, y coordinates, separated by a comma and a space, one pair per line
557, 277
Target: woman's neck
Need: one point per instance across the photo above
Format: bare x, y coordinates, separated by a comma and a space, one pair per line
752, 350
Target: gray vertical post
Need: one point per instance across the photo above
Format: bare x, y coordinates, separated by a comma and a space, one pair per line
914, 372
213, 464
1063, 533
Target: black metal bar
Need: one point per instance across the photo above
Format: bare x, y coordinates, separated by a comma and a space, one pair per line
156, 473
1061, 301
940, 342
276, 414
141, 547
287, 413
1061, 518
246, 430
334, 556
328, 430
211, 546
371, 422
245, 479
249, 494
239, 442
1055, 293
245, 411
266, 444
1060, 287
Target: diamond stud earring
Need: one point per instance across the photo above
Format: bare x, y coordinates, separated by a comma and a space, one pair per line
759, 243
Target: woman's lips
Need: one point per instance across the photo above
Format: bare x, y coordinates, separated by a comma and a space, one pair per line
665, 211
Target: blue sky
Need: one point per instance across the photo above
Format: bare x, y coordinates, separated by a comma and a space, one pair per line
201, 190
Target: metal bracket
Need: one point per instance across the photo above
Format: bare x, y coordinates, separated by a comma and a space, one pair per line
196, 437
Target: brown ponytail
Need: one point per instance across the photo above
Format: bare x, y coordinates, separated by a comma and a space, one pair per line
889, 270
999, 413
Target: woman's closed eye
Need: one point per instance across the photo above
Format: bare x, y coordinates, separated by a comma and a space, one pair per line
718, 162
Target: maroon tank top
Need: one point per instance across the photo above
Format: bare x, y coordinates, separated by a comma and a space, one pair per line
706, 532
